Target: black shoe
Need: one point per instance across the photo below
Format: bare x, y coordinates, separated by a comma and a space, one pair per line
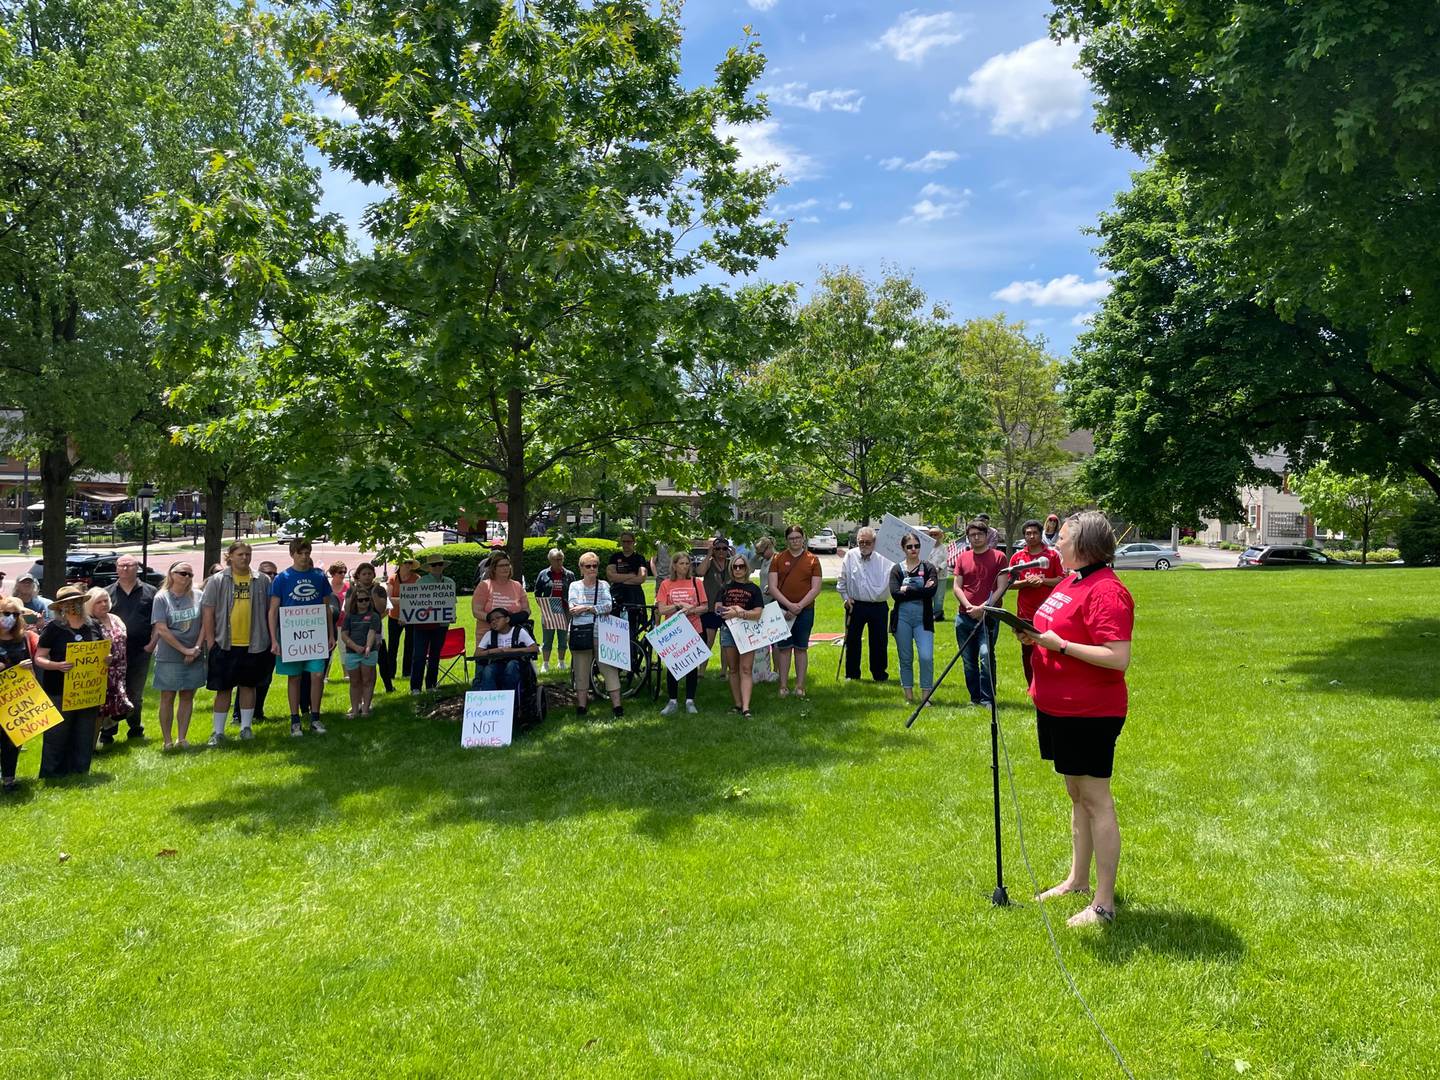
8, 784
580, 710
106, 738
617, 711
882, 678
136, 733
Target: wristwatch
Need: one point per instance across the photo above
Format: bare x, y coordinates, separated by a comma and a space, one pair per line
1063, 646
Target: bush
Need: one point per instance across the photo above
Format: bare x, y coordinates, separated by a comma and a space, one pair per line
1187, 541
465, 559
1353, 554
74, 526
1230, 545
1420, 536
129, 526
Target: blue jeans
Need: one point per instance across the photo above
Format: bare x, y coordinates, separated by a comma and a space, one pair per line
978, 657
910, 636
548, 638
497, 675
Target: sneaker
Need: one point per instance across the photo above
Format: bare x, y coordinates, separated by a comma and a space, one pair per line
295, 731
316, 727
215, 740
247, 733
690, 707
671, 708
8, 784
414, 693
544, 667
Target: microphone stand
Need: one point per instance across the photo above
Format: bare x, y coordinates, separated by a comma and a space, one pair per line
1000, 897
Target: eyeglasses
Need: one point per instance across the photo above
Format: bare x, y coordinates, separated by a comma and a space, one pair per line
739, 566
911, 547
183, 573
437, 566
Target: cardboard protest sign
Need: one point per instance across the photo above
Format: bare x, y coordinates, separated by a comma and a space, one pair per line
489, 718
427, 603
25, 709
891, 531
750, 636
612, 641
85, 683
679, 647
304, 634
552, 614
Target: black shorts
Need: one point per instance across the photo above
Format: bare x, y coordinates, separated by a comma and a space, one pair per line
710, 621
229, 668
1079, 745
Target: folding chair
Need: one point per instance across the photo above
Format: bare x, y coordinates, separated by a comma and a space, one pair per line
453, 651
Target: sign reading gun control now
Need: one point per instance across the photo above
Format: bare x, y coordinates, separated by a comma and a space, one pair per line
85, 683
25, 709
427, 603
304, 633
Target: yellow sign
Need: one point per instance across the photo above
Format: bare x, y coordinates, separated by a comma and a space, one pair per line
86, 682
25, 709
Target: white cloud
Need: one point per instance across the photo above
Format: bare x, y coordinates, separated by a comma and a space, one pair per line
800, 96
936, 203
1084, 319
792, 208
915, 35
1068, 291
933, 161
763, 5
845, 204
1029, 91
334, 108
760, 145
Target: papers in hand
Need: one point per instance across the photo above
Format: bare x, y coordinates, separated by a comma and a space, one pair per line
1010, 619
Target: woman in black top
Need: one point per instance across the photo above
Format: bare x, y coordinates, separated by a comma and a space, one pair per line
739, 598
14, 652
913, 584
69, 744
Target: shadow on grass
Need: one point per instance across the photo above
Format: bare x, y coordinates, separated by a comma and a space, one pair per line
1183, 935
672, 772
1398, 662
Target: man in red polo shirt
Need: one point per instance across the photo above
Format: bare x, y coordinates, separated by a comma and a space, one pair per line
1033, 586
976, 570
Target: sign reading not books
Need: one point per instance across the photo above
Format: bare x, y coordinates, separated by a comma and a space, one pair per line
85, 683
612, 641
427, 603
25, 709
750, 635
489, 718
677, 644
304, 633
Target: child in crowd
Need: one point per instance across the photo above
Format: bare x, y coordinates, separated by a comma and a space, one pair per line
360, 634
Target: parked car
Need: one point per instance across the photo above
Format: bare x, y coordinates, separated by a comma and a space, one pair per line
90, 568
825, 542
1288, 556
299, 529
1145, 557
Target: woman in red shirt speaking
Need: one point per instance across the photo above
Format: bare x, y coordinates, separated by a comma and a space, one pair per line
1083, 648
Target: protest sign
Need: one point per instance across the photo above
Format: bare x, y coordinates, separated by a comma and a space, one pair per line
489, 718
891, 531
25, 709
552, 614
85, 683
677, 644
427, 603
612, 641
304, 634
750, 636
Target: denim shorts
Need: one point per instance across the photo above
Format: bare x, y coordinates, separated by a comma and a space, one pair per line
799, 631
727, 640
352, 660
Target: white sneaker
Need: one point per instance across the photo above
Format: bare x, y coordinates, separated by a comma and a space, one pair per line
671, 708
215, 740
690, 707
544, 667
246, 733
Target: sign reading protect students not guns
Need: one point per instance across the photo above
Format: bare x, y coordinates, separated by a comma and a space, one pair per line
25, 709
304, 633
427, 603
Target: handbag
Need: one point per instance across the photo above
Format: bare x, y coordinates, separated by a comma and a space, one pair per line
582, 638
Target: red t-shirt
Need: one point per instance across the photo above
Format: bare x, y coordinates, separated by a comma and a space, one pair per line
1093, 610
977, 573
1029, 599
681, 592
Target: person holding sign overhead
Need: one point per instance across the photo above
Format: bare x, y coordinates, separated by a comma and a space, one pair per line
14, 652
302, 586
740, 599
68, 745
179, 657
682, 592
590, 597
427, 640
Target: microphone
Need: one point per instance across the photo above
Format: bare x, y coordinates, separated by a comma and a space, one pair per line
1031, 565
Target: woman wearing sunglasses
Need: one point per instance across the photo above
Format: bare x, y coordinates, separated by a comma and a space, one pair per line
913, 583
739, 598
179, 661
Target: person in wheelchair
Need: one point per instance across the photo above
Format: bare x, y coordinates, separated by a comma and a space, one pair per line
502, 654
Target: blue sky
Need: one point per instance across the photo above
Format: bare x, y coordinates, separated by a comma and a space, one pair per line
950, 140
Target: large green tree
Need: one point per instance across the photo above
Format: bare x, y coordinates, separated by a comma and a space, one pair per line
884, 420
1357, 505
552, 193
1309, 132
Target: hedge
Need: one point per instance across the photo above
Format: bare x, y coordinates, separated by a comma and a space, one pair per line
465, 559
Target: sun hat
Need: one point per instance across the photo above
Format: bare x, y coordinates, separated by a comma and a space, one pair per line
69, 594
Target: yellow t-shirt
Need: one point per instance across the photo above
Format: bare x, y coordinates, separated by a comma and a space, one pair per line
240, 613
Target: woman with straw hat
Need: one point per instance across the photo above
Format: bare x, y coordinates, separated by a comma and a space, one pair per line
68, 745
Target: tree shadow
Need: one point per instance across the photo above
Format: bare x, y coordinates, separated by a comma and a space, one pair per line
671, 772
1396, 661
1184, 935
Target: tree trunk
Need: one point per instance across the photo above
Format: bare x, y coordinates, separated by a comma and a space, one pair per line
516, 483
214, 521
55, 473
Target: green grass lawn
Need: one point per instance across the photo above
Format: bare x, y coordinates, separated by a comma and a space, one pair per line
803, 894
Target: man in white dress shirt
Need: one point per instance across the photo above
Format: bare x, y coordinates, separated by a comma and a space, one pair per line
864, 585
